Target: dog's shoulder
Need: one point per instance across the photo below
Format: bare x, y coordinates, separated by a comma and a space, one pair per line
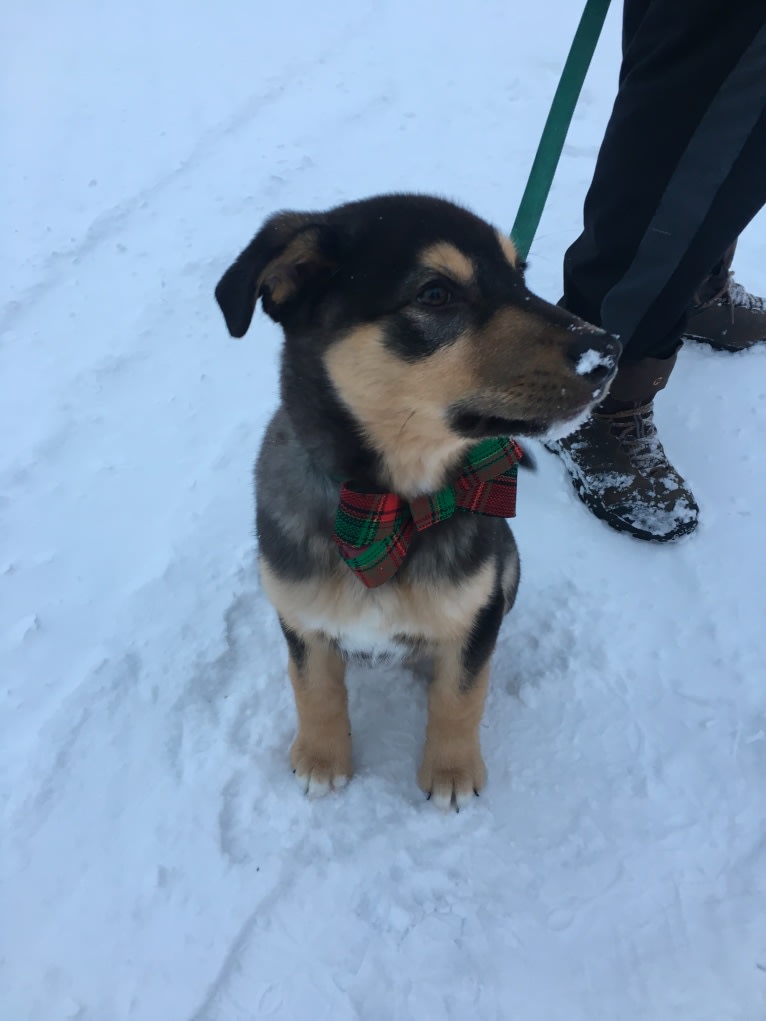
295, 505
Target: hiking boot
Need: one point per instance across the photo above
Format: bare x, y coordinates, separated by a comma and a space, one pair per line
618, 466
725, 315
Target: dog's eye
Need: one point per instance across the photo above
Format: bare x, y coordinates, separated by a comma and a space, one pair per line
434, 295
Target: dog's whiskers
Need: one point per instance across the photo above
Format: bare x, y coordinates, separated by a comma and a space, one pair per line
407, 419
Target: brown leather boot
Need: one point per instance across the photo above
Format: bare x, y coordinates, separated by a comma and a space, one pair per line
618, 466
724, 314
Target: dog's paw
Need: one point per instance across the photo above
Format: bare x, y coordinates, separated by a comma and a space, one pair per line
452, 780
319, 771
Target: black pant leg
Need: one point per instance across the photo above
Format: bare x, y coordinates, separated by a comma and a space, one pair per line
633, 12
681, 171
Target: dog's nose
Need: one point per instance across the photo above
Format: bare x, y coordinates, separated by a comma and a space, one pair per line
594, 355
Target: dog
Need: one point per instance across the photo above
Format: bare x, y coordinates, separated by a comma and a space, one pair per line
410, 343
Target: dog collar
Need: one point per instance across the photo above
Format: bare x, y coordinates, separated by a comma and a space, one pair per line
374, 531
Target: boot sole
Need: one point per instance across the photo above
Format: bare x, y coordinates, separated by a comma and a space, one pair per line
718, 346
685, 528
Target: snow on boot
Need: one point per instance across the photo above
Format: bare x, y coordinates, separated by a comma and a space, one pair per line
725, 315
618, 466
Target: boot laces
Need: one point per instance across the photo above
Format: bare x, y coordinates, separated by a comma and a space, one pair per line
740, 298
734, 295
635, 431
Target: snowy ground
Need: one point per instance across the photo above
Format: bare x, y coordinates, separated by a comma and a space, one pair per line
157, 862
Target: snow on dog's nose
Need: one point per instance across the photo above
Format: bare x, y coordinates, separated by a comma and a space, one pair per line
594, 356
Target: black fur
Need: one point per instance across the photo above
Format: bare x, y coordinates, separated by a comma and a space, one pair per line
295, 644
483, 636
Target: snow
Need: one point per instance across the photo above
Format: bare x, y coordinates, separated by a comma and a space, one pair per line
158, 861
590, 360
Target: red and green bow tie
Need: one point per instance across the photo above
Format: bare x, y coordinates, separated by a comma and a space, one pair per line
374, 530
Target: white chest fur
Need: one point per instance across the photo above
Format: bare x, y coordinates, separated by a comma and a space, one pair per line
366, 620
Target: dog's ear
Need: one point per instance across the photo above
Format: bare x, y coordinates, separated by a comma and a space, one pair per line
287, 252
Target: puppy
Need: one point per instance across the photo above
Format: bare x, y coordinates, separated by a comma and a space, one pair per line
412, 352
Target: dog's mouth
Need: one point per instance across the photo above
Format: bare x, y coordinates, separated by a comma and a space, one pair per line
475, 425
477, 418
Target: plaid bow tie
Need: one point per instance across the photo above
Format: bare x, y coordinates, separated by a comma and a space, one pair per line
374, 530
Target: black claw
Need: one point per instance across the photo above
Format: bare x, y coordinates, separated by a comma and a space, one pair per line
428, 796
476, 793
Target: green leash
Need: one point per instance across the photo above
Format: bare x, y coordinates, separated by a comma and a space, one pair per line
556, 126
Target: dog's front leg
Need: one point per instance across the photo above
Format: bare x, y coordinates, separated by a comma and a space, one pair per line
453, 769
321, 752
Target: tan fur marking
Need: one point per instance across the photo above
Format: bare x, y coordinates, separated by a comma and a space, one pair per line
341, 607
443, 257
523, 372
453, 767
281, 275
321, 752
509, 249
401, 405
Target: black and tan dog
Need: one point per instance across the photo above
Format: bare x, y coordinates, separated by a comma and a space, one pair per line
410, 337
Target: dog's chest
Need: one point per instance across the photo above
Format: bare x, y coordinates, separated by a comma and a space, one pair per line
375, 625
384, 620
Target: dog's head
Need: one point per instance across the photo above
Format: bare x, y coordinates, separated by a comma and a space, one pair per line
409, 330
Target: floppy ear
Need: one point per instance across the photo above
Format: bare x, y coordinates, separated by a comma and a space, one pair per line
286, 252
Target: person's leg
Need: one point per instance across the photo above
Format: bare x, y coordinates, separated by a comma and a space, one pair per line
722, 313
671, 189
679, 175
